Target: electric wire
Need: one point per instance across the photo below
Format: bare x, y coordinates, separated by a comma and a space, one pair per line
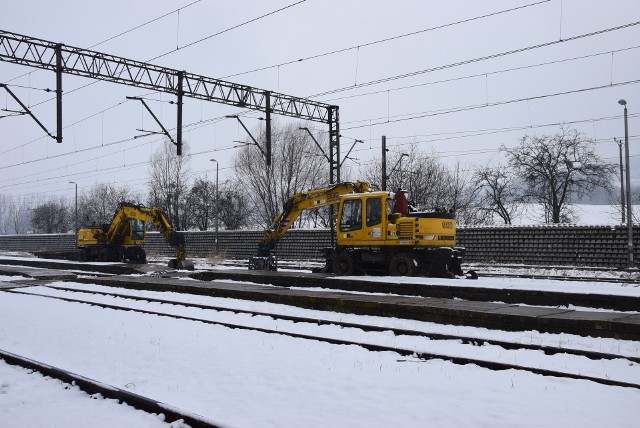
228, 29
421, 115
474, 60
388, 39
488, 73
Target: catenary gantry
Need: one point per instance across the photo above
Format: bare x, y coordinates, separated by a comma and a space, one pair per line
60, 58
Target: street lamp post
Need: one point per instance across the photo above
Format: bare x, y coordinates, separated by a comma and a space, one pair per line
76, 216
628, 189
216, 219
621, 180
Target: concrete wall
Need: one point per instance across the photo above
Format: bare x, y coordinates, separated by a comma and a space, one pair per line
542, 245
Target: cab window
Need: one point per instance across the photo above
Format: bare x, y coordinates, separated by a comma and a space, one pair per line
137, 230
374, 211
351, 215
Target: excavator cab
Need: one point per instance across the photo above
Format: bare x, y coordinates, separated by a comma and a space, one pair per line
138, 230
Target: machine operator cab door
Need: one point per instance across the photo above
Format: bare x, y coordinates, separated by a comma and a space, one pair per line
362, 219
135, 233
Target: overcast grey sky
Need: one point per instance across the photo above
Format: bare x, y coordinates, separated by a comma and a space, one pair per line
409, 88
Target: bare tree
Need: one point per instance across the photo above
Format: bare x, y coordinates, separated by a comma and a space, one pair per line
556, 168
201, 200
234, 207
97, 205
296, 166
168, 184
463, 197
51, 217
19, 219
409, 168
500, 193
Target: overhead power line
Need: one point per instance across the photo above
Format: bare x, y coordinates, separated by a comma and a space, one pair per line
475, 60
420, 115
445, 136
487, 73
388, 39
242, 24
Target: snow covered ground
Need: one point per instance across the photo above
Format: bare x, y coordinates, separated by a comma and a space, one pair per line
240, 378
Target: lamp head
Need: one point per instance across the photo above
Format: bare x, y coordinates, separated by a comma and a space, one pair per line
622, 102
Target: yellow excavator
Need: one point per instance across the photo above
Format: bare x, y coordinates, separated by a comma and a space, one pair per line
122, 239
375, 232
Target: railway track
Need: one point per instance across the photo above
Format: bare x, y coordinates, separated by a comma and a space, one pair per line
299, 266
90, 386
296, 328
558, 277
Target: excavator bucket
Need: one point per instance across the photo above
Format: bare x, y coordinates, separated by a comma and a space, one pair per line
181, 264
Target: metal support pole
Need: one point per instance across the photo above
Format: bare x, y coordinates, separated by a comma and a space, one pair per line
384, 163
621, 181
332, 156
179, 120
267, 96
76, 217
628, 189
59, 93
217, 206
337, 142
334, 143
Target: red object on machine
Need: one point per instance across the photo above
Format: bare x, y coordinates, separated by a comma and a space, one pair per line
401, 204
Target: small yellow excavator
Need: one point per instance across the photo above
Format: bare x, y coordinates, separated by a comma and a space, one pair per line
375, 232
122, 239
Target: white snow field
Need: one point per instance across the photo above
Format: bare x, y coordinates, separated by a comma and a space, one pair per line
240, 378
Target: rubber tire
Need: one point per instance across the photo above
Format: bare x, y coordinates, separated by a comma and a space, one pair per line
141, 256
344, 264
402, 264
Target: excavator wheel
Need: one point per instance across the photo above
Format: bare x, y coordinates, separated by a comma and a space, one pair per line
402, 264
344, 263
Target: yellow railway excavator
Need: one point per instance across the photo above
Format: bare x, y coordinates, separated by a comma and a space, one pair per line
123, 238
374, 232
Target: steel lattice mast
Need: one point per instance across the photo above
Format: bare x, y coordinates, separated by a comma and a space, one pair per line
38, 53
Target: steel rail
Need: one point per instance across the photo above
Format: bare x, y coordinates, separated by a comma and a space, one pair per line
492, 365
91, 387
476, 341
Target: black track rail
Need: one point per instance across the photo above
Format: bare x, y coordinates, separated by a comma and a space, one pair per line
547, 350
91, 386
559, 277
483, 274
492, 365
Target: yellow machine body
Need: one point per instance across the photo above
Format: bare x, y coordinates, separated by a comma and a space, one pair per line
367, 219
124, 237
374, 231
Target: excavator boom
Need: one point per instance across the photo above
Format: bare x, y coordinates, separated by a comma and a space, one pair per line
293, 207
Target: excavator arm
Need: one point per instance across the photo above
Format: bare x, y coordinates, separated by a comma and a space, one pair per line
293, 207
